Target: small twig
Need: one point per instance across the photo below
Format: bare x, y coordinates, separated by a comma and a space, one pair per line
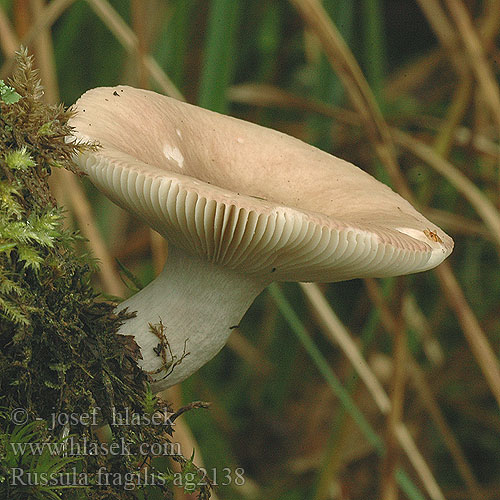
169, 359
191, 406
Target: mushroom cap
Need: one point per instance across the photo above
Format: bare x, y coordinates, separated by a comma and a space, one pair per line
248, 197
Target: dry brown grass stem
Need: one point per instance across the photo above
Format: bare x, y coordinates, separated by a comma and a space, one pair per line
332, 461
474, 334
413, 74
476, 57
490, 24
44, 56
129, 42
444, 30
73, 194
80, 207
44, 21
265, 95
139, 23
8, 38
254, 357
426, 395
458, 224
454, 116
481, 143
257, 94
21, 16
338, 333
389, 487
392, 325
483, 206
419, 463
355, 84
417, 321
358, 90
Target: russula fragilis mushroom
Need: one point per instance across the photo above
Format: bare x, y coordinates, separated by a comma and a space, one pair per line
240, 206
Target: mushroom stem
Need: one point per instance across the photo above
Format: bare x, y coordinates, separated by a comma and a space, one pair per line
193, 305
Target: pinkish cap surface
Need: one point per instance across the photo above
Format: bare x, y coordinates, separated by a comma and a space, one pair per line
248, 197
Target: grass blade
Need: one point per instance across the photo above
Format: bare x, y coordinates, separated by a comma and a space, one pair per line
219, 59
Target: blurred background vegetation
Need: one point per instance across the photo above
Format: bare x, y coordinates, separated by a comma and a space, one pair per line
389, 388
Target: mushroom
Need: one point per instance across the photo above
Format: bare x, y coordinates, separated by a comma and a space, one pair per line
241, 206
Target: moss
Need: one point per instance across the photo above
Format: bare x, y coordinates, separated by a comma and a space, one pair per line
59, 354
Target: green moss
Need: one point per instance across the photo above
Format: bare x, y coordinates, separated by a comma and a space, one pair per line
8, 95
59, 354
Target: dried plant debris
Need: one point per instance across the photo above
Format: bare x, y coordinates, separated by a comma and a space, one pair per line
62, 368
